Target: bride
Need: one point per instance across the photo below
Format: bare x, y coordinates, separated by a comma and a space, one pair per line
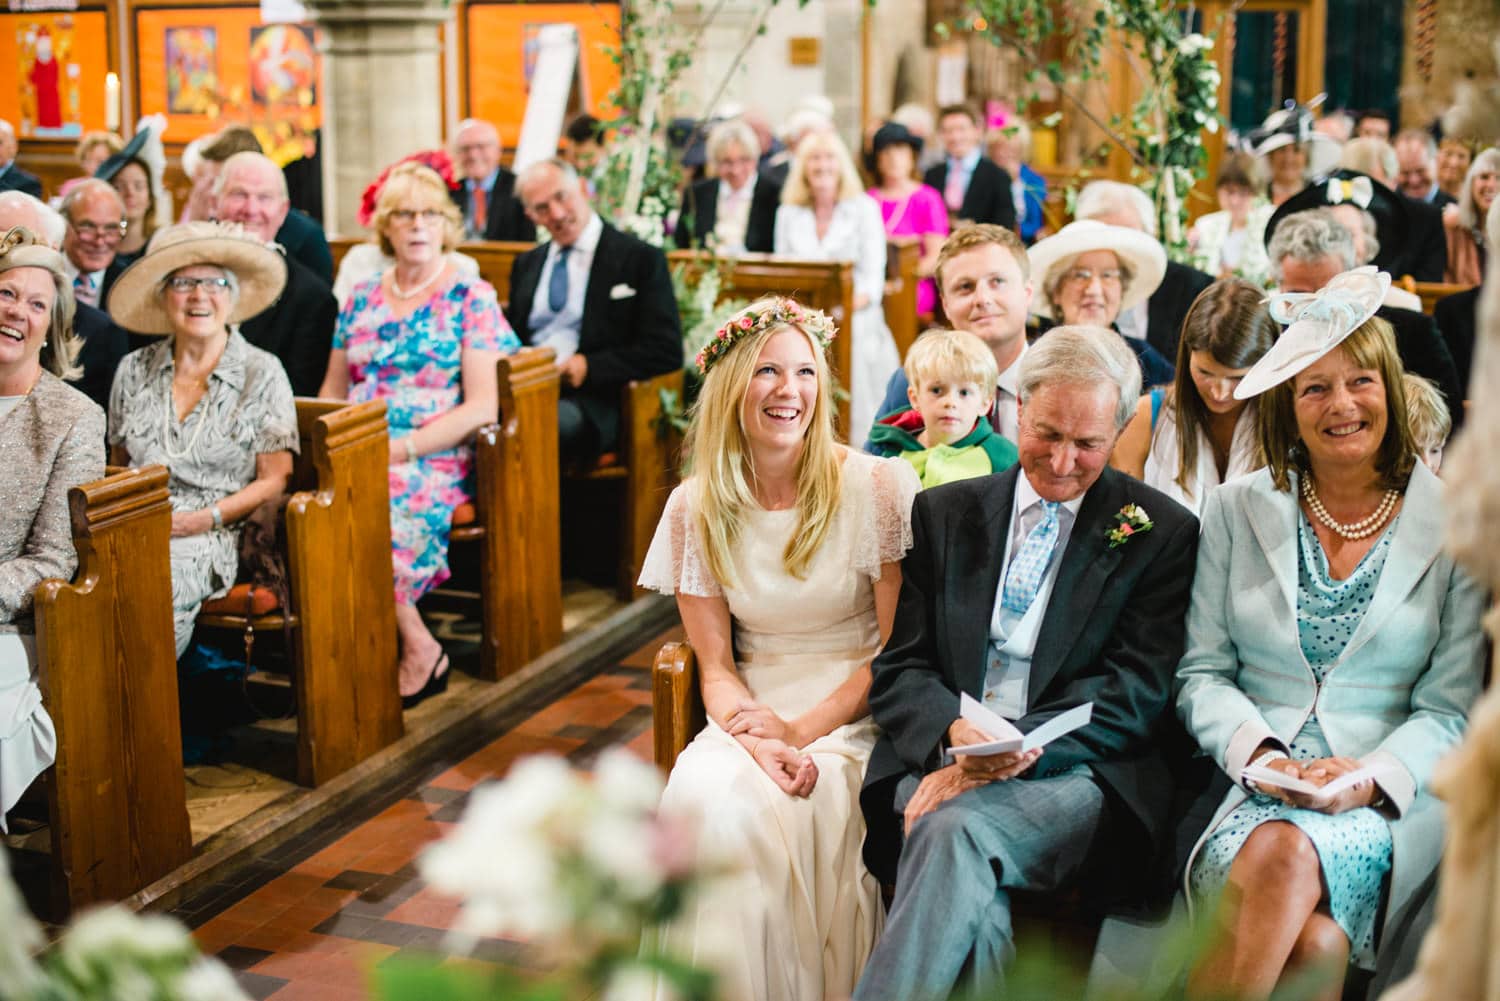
783, 550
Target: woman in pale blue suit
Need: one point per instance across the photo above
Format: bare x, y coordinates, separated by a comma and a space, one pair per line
1328, 632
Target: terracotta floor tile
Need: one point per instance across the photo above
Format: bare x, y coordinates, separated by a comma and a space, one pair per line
220, 932
272, 937
429, 911
312, 991
255, 910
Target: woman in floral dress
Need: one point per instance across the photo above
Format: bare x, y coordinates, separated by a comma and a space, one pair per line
425, 339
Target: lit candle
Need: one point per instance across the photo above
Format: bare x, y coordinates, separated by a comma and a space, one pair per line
112, 102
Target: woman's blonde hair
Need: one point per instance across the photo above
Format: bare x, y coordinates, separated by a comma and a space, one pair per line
719, 456
1372, 345
417, 183
796, 192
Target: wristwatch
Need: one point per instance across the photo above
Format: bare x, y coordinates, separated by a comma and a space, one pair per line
217, 515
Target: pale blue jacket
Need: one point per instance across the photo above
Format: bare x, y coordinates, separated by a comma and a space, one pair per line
1396, 699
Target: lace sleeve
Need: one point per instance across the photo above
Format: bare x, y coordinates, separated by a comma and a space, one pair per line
675, 563
885, 531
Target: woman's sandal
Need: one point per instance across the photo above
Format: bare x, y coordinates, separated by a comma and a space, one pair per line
436, 684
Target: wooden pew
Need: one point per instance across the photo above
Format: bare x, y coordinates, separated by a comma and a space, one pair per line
108, 675
1432, 292
343, 610
515, 519
902, 255
677, 712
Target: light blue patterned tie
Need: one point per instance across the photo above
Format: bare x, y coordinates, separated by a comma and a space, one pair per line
1029, 565
557, 284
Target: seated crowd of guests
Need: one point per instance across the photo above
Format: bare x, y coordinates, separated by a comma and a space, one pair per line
1076, 423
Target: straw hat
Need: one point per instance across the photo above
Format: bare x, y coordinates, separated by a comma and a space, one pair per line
20, 248
1144, 256
1317, 322
134, 302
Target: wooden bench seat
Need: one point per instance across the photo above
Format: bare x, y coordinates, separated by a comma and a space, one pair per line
343, 612
108, 676
902, 255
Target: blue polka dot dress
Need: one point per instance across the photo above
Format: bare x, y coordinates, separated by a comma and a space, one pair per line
1354, 848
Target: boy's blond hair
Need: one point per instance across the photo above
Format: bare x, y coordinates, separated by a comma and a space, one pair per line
1426, 412
951, 356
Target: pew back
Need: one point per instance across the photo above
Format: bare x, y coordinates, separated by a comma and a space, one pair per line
108, 676
339, 535
1433, 292
902, 255
677, 712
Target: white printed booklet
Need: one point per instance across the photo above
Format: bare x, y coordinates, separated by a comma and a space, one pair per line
1007, 737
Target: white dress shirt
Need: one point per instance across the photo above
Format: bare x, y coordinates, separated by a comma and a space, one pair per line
559, 331
1007, 673
1008, 399
732, 217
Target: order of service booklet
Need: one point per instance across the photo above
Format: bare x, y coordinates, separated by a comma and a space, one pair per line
1007, 737
1320, 794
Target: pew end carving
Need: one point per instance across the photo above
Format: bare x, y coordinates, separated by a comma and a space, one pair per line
343, 612
515, 519
108, 676
677, 710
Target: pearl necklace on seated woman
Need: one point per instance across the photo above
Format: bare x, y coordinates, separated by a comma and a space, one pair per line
433, 268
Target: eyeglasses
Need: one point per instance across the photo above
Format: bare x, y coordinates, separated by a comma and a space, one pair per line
407, 216
110, 232
184, 285
1083, 276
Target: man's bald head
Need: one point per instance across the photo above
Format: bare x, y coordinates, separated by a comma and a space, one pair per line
251, 190
476, 147
17, 208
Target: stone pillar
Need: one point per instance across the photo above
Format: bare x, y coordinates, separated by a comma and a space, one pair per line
383, 94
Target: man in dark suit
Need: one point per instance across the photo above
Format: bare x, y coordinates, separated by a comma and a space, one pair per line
1456, 317
95, 218
1159, 322
600, 299
737, 206
104, 343
1416, 168
1023, 591
1309, 248
487, 198
972, 186
298, 329
12, 177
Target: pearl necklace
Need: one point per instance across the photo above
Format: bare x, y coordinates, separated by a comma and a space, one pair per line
408, 293
1358, 530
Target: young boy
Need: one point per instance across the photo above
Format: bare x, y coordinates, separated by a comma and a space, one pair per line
944, 433
1430, 421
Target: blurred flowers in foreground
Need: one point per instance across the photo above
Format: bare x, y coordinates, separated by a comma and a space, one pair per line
580, 868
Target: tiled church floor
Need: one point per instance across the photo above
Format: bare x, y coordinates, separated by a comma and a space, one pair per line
313, 918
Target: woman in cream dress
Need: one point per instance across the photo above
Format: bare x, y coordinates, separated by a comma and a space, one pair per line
783, 551
1226, 331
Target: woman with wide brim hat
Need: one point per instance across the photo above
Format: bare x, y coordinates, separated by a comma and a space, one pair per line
135, 172
1292, 149
1328, 635
217, 412
909, 208
1090, 272
51, 440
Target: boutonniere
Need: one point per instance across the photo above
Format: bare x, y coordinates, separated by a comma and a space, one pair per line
1129, 520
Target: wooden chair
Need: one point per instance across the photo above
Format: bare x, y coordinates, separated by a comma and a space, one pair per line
646, 466
902, 255
108, 675
515, 518
343, 607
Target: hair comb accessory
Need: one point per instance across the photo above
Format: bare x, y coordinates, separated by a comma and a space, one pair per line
1316, 323
777, 313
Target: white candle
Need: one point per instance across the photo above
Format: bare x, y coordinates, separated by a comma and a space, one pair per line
112, 102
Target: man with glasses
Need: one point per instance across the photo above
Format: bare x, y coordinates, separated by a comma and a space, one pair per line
95, 215
298, 328
487, 197
735, 210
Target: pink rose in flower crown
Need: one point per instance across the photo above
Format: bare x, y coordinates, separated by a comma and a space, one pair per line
766, 315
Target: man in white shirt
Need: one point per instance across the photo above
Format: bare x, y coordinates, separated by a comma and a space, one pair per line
1057, 583
735, 210
95, 215
599, 298
984, 282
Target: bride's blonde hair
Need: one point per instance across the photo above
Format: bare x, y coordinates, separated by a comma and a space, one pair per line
720, 460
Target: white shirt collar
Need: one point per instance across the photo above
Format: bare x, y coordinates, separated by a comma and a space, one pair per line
1026, 496
745, 191
587, 240
1010, 379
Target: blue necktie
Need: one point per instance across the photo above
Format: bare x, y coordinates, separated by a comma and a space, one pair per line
557, 285
1029, 565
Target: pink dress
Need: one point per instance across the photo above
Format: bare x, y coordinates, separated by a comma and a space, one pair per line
918, 214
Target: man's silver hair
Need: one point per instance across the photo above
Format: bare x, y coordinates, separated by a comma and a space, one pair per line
1308, 237
533, 171
86, 189
245, 158
1108, 197
42, 219
1083, 355
735, 132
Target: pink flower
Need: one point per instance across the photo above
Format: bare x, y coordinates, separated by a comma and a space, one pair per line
746, 323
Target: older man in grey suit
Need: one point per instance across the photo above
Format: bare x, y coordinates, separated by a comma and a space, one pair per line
1057, 583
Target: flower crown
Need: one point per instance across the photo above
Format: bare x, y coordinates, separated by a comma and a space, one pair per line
776, 313
437, 159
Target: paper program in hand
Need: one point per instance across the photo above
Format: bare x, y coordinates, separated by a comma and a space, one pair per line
1007, 737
